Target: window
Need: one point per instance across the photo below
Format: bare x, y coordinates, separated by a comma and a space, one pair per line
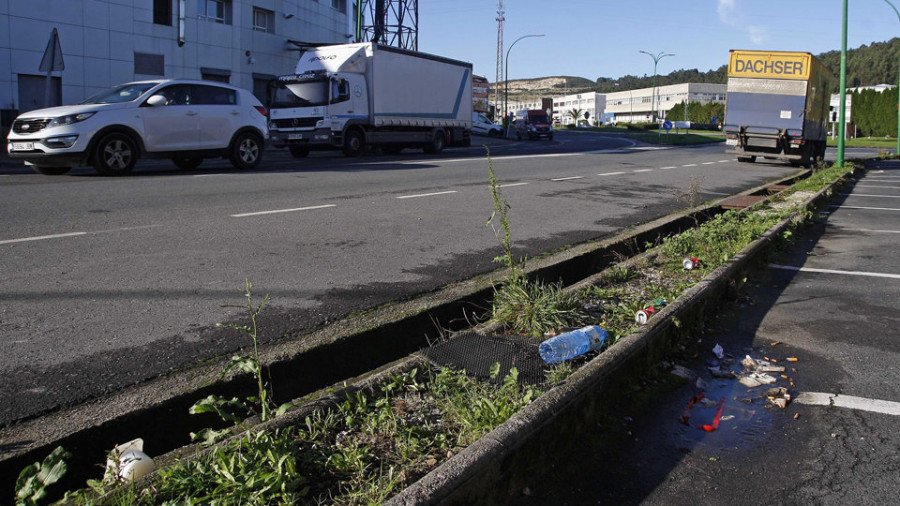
212, 95
162, 12
215, 10
263, 20
149, 64
340, 5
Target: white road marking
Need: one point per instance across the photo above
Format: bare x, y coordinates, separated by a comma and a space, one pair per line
880, 231
667, 168
42, 237
850, 402
427, 194
875, 186
567, 178
832, 271
864, 195
642, 170
724, 161
611, 174
709, 163
715, 193
276, 211
512, 184
690, 165
863, 207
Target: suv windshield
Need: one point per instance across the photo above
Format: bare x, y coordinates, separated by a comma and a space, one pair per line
305, 93
537, 118
121, 93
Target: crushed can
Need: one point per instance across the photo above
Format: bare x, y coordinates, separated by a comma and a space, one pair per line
691, 263
643, 315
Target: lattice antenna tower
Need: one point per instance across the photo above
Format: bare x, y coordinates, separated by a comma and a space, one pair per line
390, 22
499, 77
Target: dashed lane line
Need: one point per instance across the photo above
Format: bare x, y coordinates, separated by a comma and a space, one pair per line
512, 184
865, 208
637, 171
849, 402
690, 165
427, 194
277, 211
832, 271
612, 173
875, 231
667, 168
567, 178
709, 163
42, 237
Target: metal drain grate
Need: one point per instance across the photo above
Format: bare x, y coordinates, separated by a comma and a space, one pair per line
476, 353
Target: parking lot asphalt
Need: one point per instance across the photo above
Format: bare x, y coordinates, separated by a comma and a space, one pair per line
826, 310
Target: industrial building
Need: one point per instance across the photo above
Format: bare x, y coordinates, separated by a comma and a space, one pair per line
637, 106
105, 42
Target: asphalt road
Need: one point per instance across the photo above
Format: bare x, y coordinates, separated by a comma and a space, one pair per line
830, 302
106, 282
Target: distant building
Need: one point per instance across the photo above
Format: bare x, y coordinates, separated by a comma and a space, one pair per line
594, 104
106, 42
636, 106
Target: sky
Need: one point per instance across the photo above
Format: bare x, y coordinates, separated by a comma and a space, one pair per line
602, 38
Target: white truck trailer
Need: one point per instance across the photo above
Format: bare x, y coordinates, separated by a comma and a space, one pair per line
354, 96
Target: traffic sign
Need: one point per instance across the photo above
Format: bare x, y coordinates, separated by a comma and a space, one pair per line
667, 125
53, 57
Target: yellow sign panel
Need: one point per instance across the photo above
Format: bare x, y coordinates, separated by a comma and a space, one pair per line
769, 64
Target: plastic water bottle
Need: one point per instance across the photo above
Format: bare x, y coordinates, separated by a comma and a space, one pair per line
572, 344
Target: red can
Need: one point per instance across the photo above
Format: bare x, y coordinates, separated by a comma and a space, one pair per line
643, 315
691, 263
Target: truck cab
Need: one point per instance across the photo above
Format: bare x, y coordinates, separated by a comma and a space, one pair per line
533, 124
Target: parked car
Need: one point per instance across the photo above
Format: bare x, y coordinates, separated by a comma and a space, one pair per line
482, 125
184, 120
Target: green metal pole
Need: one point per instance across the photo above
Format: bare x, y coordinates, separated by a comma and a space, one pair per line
898, 88
842, 127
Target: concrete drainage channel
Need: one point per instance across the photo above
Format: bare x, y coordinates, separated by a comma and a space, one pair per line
486, 471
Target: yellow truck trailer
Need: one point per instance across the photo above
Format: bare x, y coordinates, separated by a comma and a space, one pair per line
776, 106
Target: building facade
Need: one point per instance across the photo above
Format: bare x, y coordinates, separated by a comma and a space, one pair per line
637, 106
106, 42
594, 104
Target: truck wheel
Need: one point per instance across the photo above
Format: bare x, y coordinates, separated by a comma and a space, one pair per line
438, 141
353, 143
115, 155
246, 151
299, 151
50, 171
746, 159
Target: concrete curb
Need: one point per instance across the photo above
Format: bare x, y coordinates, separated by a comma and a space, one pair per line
492, 470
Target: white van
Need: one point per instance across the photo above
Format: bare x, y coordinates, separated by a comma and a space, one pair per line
482, 125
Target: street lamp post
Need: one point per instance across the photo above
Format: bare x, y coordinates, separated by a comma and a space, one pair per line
506, 84
656, 59
898, 89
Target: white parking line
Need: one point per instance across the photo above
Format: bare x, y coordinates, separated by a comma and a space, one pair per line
642, 170
880, 231
863, 195
867, 208
875, 186
611, 174
567, 178
832, 271
850, 402
276, 211
427, 194
42, 237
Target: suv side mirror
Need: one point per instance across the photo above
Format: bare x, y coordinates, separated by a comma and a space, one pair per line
157, 100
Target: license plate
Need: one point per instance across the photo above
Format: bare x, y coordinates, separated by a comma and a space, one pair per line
23, 146
295, 137
731, 142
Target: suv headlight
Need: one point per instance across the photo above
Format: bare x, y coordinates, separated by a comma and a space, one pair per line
68, 120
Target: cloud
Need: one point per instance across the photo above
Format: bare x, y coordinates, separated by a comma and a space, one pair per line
730, 15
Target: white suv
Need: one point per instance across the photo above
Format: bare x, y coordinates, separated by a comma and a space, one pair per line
184, 120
